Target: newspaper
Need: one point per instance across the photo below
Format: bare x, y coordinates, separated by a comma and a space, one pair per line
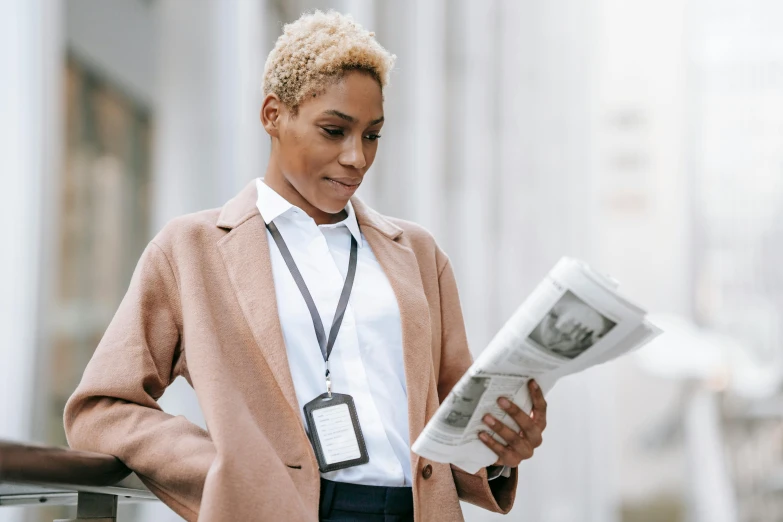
573, 320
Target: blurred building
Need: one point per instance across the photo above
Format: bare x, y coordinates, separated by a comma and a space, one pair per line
736, 154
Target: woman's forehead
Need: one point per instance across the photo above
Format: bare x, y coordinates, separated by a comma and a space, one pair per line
355, 97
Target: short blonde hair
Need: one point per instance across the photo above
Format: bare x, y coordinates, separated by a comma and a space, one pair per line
320, 47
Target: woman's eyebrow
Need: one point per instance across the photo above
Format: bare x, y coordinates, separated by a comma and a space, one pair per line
351, 119
342, 115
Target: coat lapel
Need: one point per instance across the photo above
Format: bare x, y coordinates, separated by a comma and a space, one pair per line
245, 253
401, 266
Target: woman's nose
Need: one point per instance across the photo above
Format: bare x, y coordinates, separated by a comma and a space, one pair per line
353, 154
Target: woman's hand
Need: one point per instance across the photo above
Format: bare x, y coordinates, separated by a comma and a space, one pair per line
519, 446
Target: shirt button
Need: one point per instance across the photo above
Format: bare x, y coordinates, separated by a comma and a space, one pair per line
426, 472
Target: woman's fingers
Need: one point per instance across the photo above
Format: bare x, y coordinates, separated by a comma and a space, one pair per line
539, 404
507, 456
519, 445
527, 427
513, 439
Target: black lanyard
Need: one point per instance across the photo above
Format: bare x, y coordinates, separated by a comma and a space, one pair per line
342, 304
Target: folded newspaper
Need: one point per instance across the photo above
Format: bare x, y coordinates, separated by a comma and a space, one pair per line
573, 320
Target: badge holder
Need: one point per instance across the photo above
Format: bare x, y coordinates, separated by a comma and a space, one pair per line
334, 431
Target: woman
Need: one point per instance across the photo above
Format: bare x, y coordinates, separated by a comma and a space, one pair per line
238, 300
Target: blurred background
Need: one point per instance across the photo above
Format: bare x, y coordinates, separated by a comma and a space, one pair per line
644, 137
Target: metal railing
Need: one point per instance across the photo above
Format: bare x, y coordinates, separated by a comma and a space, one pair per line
46, 475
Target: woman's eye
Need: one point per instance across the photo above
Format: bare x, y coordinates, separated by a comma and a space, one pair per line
333, 132
372, 137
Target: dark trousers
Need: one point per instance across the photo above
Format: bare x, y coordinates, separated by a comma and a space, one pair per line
343, 502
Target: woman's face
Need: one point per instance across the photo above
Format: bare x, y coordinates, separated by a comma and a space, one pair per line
325, 149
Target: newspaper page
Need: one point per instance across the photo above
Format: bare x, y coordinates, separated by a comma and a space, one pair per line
574, 319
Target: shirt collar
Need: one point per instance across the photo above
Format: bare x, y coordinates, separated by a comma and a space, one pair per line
272, 205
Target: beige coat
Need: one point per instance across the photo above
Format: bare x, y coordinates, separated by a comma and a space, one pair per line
201, 304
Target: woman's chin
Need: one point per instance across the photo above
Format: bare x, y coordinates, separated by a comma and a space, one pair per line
333, 205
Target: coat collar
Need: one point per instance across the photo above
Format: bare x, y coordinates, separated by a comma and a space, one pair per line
245, 254
242, 207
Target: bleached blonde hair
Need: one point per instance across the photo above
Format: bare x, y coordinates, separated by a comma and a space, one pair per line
318, 48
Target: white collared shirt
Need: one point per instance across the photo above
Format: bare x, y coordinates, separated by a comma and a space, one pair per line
366, 360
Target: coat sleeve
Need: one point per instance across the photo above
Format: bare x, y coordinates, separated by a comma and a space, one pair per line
497, 495
114, 409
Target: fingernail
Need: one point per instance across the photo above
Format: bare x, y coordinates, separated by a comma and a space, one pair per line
535, 385
489, 420
483, 436
504, 402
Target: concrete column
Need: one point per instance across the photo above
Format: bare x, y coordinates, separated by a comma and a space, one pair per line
189, 126
209, 140
473, 179
242, 50
427, 175
31, 52
407, 179
388, 180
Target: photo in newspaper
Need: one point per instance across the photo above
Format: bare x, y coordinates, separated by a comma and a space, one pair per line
463, 404
570, 327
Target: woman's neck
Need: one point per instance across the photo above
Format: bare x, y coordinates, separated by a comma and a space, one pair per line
277, 182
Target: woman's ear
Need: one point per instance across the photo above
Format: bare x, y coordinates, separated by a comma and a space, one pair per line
271, 110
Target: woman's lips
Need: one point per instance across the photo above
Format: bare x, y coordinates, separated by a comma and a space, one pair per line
342, 188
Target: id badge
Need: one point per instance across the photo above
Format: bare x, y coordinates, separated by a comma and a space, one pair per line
334, 432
